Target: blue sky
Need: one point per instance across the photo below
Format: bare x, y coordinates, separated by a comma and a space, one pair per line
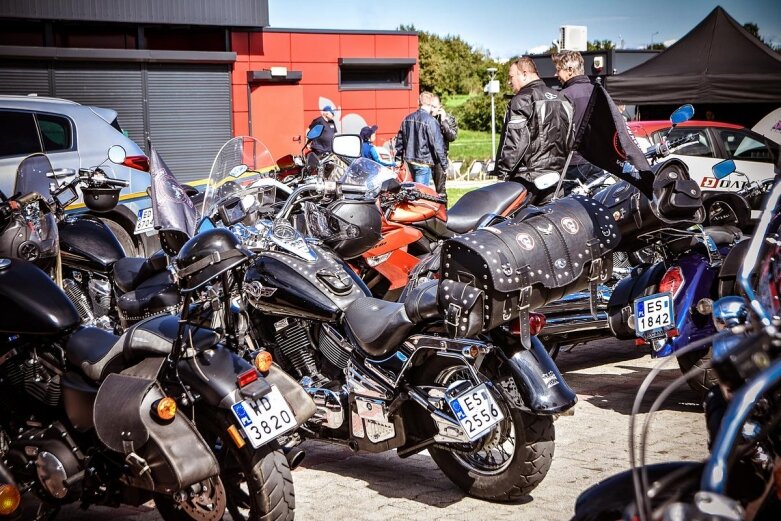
507, 28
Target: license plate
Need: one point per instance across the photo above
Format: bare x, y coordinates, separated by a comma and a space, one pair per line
654, 315
265, 418
476, 411
145, 221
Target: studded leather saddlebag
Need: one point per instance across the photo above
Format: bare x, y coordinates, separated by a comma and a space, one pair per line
524, 263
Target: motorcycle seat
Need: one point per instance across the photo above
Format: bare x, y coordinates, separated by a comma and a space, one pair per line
377, 326
156, 295
467, 212
130, 272
420, 304
98, 353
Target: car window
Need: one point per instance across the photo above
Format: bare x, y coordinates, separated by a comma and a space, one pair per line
18, 135
55, 132
740, 145
699, 147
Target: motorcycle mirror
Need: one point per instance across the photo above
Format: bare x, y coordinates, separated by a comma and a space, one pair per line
314, 132
723, 169
117, 154
682, 114
205, 224
546, 180
347, 145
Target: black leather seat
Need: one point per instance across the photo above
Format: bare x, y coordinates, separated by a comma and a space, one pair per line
156, 295
377, 326
98, 353
420, 304
129, 272
466, 214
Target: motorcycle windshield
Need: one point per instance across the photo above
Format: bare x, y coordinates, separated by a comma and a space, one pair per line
369, 174
31, 176
239, 164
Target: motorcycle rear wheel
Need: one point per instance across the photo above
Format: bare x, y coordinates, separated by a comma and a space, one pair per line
258, 483
524, 442
703, 381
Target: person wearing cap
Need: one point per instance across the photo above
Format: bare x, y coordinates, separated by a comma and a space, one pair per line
368, 135
323, 144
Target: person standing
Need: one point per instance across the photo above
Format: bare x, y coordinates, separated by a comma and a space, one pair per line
449, 128
419, 141
577, 88
322, 145
537, 133
368, 150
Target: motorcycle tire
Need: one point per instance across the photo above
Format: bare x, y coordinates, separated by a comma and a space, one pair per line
124, 238
257, 482
706, 379
513, 479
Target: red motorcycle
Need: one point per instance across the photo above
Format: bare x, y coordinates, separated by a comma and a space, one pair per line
415, 219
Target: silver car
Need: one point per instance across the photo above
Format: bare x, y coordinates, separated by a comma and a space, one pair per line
75, 136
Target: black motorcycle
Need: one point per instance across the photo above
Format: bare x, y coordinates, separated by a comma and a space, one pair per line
165, 411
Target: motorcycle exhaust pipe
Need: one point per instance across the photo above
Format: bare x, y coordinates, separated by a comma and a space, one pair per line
294, 456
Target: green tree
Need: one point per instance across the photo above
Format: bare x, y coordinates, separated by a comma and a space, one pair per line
753, 29
600, 45
656, 47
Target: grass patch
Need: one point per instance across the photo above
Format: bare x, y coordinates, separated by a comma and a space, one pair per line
454, 194
455, 100
471, 145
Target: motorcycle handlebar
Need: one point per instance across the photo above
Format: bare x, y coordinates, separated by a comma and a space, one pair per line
664, 148
116, 182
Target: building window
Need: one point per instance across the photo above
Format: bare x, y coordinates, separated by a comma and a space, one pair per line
375, 73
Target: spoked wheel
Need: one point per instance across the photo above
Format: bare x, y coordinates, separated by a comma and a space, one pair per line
257, 484
507, 463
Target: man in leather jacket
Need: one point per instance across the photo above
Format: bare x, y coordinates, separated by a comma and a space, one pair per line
577, 88
419, 141
537, 133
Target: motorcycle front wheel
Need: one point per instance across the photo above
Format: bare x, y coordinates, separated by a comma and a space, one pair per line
257, 483
509, 462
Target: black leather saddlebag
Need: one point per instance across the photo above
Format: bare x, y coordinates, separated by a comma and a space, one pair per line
677, 204
161, 456
524, 263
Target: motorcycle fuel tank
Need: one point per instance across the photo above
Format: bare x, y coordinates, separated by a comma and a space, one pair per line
86, 242
283, 284
32, 303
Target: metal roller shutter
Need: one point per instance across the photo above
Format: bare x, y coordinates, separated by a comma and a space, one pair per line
112, 86
22, 79
189, 115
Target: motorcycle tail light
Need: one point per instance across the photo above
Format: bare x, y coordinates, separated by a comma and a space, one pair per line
536, 323
9, 499
247, 377
672, 281
137, 162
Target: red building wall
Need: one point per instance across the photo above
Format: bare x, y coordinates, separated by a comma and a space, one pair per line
280, 113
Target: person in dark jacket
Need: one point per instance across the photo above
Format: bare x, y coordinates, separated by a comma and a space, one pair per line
368, 150
419, 141
324, 144
449, 127
577, 88
537, 133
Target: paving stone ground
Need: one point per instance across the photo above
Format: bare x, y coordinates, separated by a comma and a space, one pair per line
335, 483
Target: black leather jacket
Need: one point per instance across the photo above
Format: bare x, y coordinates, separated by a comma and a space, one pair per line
578, 90
537, 134
420, 140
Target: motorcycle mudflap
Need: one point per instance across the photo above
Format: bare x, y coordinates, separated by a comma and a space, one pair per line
175, 452
299, 400
553, 249
624, 294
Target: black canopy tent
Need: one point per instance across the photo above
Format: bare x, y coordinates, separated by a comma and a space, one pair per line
716, 62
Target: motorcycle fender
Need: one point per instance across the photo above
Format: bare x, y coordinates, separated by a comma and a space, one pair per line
213, 375
629, 288
174, 452
540, 384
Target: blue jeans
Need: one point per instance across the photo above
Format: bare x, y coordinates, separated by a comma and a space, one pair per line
422, 174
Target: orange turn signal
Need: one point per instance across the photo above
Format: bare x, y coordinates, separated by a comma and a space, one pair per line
236, 436
166, 408
263, 361
9, 499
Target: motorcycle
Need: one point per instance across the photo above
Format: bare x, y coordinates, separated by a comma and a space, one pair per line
164, 411
740, 478
82, 248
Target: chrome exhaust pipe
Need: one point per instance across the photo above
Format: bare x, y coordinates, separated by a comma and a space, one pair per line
294, 456
575, 323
